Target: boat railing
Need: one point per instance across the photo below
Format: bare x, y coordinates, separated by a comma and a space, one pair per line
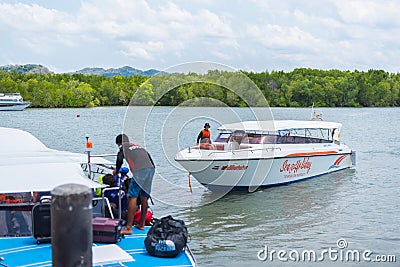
105, 204
109, 206
103, 155
93, 168
192, 258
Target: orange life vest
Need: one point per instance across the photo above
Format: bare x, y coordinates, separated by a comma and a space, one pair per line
205, 134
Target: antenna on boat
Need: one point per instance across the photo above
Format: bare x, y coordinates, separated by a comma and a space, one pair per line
89, 147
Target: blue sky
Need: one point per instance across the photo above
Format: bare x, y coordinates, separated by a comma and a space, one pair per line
253, 35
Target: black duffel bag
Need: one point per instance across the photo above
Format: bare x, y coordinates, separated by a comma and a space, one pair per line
166, 238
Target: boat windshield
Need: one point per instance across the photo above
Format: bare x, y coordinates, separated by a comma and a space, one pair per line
289, 136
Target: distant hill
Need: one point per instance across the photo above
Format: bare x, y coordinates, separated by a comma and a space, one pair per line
124, 71
27, 68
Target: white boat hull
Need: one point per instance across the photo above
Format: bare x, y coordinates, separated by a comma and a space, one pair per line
14, 106
254, 154
253, 173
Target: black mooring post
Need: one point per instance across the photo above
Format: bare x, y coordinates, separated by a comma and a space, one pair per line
71, 225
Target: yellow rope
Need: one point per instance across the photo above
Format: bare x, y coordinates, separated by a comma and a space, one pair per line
190, 184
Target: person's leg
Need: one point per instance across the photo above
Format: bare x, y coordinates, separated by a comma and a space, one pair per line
144, 208
131, 211
133, 193
146, 178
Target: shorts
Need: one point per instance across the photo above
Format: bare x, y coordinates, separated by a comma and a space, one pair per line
141, 183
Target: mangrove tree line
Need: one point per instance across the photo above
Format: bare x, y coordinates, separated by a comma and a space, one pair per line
298, 88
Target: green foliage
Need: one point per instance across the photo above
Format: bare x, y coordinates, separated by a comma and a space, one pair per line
298, 88
329, 88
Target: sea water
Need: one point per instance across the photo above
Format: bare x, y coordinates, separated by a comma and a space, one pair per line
349, 217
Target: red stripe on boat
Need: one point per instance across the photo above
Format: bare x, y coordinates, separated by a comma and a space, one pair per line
306, 154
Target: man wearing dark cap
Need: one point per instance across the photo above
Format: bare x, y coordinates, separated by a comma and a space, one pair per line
142, 167
204, 135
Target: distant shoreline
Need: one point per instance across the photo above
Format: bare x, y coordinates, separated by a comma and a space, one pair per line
299, 88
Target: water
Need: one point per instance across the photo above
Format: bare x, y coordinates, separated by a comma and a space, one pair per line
360, 205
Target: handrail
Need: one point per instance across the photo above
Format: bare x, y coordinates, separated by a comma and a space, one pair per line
103, 155
119, 201
105, 199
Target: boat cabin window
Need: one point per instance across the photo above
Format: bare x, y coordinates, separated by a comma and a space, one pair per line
223, 137
16, 220
289, 136
16, 213
305, 136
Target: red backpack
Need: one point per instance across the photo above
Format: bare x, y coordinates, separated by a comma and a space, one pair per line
138, 215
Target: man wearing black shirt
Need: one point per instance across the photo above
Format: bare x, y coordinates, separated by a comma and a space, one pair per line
142, 167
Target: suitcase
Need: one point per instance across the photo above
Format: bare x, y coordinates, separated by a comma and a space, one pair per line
106, 230
41, 222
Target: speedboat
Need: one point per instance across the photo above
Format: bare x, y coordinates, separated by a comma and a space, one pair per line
253, 154
27, 166
12, 102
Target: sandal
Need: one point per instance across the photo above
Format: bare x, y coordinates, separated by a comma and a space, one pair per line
139, 227
126, 231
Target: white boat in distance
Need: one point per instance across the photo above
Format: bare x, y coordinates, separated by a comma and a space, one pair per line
14, 101
252, 154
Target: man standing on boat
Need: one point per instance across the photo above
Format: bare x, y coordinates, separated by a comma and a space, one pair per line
204, 135
142, 167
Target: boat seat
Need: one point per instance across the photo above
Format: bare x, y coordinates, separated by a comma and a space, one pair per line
219, 146
232, 146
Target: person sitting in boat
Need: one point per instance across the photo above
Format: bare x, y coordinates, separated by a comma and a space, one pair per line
204, 136
236, 139
112, 196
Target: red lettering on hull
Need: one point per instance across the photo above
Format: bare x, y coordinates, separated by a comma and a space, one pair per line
304, 164
231, 167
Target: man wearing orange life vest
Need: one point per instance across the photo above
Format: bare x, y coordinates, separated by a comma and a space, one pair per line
204, 135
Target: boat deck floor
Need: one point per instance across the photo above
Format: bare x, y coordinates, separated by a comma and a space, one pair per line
24, 251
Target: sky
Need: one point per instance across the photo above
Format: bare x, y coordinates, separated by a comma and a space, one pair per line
253, 35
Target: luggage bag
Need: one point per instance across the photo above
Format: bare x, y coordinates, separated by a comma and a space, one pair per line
106, 230
41, 222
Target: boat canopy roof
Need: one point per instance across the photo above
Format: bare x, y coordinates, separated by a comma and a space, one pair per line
278, 125
26, 164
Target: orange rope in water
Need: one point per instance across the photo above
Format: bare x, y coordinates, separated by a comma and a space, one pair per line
190, 184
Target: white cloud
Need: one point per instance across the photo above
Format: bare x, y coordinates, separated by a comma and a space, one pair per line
369, 13
136, 50
37, 45
30, 18
210, 24
150, 50
261, 34
279, 37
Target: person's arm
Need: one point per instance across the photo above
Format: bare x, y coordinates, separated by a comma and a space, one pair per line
199, 137
119, 161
